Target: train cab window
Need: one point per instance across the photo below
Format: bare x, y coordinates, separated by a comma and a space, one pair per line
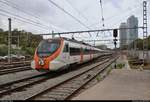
66, 48
47, 47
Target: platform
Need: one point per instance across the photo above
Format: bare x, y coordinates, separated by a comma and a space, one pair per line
121, 84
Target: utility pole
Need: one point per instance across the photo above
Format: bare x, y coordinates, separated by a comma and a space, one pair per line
9, 41
53, 35
28, 39
115, 35
18, 40
145, 32
136, 42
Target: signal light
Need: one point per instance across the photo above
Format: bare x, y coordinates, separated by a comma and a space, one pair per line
115, 33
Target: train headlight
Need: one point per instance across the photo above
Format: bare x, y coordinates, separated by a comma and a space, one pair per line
41, 62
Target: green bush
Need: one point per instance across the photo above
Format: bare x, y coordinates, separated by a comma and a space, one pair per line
23, 51
3, 51
29, 50
120, 66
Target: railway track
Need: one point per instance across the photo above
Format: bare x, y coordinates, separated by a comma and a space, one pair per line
66, 89
7, 90
13, 63
11, 68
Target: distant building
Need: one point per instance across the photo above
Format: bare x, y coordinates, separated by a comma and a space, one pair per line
132, 34
123, 35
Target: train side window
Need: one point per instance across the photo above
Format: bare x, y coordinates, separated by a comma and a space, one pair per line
66, 48
74, 51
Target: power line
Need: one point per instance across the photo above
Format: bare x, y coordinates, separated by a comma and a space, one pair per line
76, 10
109, 40
89, 31
23, 21
114, 16
11, 4
62, 9
18, 16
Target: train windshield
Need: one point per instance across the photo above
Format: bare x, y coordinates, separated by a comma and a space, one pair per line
48, 47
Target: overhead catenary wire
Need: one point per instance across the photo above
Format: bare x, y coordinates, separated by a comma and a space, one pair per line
76, 10
11, 4
23, 21
120, 19
18, 16
62, 9
19, 20
116, 16
90, 31
15, 6
136, 7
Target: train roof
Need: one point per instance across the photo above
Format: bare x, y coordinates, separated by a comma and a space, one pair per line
80, 42
76, 41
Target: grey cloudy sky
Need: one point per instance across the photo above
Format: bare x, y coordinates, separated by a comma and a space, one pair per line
87, 11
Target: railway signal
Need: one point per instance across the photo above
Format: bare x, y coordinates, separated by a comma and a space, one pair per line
115, 35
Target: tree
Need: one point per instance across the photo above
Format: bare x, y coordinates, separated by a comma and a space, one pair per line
27, 41
1, 30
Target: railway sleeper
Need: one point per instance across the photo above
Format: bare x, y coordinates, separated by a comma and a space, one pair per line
68, 89
58, 94
46, 98
61, 91
54, 96
75, 83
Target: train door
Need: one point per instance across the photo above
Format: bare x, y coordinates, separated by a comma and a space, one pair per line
66, 54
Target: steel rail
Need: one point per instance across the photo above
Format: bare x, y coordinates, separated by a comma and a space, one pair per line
14, 70
20, 62
13, 66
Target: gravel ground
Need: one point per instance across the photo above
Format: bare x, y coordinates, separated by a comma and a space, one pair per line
17, 76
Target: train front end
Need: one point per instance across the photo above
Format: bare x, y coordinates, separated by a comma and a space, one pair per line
46, 55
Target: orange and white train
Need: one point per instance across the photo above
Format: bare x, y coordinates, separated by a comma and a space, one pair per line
59, 53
